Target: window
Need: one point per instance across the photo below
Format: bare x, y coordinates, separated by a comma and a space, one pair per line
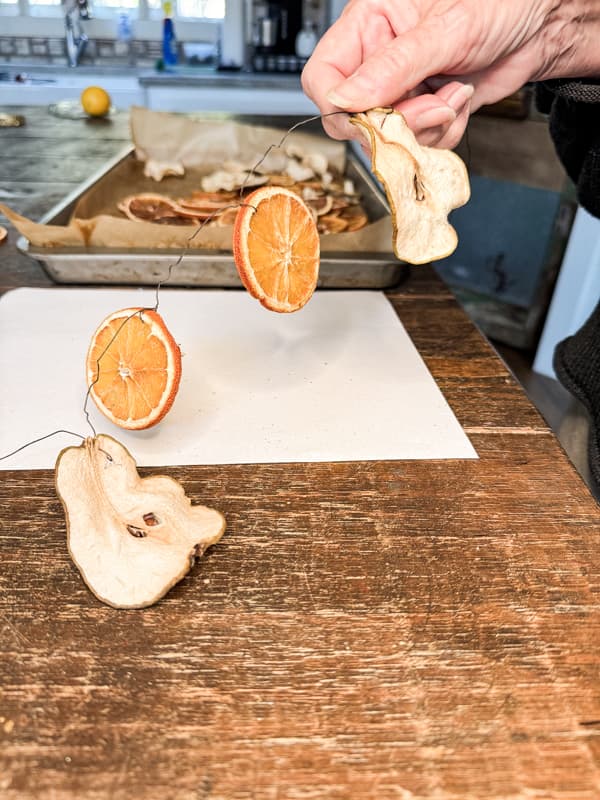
146, 9
193, 9
110, 4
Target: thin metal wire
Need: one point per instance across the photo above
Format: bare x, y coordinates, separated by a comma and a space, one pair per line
41, 439
160, 284
282, 142
186, 247
251, 171
138, 312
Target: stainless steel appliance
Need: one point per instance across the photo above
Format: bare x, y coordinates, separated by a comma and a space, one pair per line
276, 26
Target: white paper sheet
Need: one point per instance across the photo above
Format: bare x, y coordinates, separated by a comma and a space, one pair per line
339, 380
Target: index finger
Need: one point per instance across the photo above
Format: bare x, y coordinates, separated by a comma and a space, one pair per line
328, 66
339, 53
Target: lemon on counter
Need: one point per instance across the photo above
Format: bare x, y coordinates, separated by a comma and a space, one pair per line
95, 101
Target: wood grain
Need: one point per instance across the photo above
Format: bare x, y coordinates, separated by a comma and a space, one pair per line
410, 630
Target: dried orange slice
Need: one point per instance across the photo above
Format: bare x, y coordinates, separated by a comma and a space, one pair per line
276, 248
133, 368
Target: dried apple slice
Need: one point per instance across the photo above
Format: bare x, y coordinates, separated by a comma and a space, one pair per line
423, 184
131, 538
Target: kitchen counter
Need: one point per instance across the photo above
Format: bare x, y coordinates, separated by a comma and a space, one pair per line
175, 76
178, 89
200, 76
414, 629
203, 89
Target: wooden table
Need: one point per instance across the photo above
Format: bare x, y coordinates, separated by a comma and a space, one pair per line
401, 630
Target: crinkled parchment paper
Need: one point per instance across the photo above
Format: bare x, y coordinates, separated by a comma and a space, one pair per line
174, 142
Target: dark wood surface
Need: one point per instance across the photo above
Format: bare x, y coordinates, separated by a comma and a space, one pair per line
403, 630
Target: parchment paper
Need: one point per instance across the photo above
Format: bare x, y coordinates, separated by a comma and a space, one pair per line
339, 380
197, 147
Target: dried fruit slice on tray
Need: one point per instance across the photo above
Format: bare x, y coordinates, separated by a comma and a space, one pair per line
153, 208
276, 248
423, 184
133, 368
131, 538
232, 179
228, 216
320, 205
355, 218
159, 209
332, 223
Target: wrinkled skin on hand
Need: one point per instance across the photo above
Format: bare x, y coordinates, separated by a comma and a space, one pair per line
436, 61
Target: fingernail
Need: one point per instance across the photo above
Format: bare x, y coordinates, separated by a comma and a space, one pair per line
434, 117
352, 94
337, 100
461, 96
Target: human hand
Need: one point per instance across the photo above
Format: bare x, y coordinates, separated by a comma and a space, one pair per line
436, 61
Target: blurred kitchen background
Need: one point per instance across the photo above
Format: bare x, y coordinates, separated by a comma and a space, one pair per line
527, 268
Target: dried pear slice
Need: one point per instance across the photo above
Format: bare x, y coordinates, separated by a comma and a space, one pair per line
228, 181
157, 170
423, 184
131, 538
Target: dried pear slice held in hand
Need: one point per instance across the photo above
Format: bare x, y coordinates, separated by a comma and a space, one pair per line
131, 538
423, 184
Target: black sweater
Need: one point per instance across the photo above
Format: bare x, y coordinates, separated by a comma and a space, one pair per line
574, 109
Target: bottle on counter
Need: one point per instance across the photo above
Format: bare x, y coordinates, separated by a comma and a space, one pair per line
306, 40
169, 44
124, 35
124, 31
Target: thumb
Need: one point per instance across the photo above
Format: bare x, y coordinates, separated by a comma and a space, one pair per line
387, 75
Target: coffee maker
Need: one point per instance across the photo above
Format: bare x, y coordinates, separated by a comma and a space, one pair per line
276, 26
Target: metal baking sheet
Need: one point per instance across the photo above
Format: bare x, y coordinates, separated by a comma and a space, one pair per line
207, 268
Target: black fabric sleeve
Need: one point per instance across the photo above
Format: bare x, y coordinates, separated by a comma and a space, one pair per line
574, 110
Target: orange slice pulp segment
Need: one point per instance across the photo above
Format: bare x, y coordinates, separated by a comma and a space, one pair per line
276, 248
133, 368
